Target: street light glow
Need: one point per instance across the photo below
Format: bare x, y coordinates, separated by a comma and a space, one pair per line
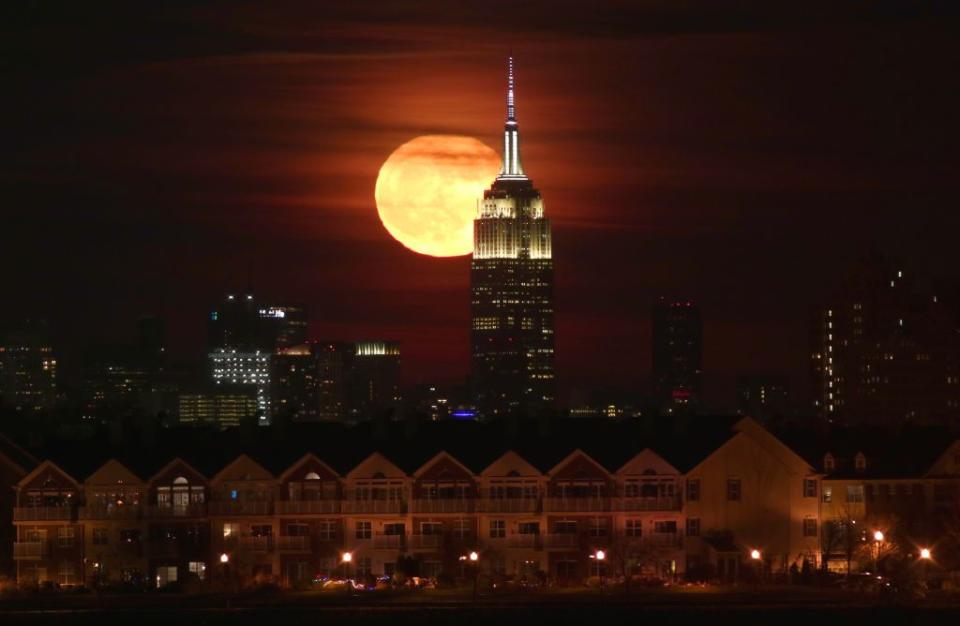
924, 553
224, 558
755, 554
474, 556
346, 557
878, 535
600, 555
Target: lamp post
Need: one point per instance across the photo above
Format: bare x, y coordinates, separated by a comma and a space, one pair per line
345, 559
757, 557
600, 556
225, 561
877, 540
473, 559
925, 557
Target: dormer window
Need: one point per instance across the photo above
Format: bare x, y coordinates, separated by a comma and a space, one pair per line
829, 463
860, 463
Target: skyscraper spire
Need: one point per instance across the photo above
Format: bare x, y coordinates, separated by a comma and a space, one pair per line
511, 136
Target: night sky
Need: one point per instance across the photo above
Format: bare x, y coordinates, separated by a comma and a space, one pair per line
738, 154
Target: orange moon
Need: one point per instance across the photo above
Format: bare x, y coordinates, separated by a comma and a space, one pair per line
427, 192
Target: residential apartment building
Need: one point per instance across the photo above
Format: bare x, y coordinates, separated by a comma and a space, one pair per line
657, 511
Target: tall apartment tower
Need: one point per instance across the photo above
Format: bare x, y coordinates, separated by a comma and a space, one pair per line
677, 355
511, 279
885, 352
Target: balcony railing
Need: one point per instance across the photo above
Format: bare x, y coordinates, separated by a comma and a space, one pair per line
453, 505
389, 542
425, 542
237, 507
653, 540
307, 507
42, 513
373, 506
256, 544
107, 512
30, 550
179, 510
509, 505
561, 541
576, 505
299, 543
670, 503
526, 540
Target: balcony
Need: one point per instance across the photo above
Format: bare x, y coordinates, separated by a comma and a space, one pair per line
373, 506
562, 541
30, 550
307, 507
453, 505
42, 513
425, 542
109, 512
256, 544
389, 542
526, 540
237, 507
299, 543
670, 503
653, 540
510, 505
179, 510
576, 505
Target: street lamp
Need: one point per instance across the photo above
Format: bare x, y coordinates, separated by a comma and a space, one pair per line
925, 554
345, 559
599, 556
473, 557
755, 555
877, 540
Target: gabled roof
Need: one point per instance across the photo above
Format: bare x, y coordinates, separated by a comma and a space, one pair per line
111, 472
649, 458
440, 456
45, 465
376, 458
570, 457
308, 457
255, 471
177, 460
511, 457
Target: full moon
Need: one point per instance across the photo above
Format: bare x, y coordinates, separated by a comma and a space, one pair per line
427, 192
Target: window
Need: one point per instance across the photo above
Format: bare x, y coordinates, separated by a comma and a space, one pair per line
693, 527
364, 530
100, 536
431, 528
693, 490
462, 528
633, 528
395, 528
809, 487
828, 494
298, 530
598, 527
498, 529
198, 569
565, 527
231, 530
854, 493
809, 527
65, 536
327, 530
261, 530
528, 528
733, 489
67, 573
668, 527
364, 567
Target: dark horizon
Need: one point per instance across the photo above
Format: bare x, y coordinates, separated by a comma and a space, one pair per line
740, 159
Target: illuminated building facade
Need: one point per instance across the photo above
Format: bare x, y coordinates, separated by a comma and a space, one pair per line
371, 378
246, 369
677, 355
885, 353
223, 408
763, 397
28, 368
512, 334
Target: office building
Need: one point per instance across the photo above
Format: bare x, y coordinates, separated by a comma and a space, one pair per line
28, 368
677, 355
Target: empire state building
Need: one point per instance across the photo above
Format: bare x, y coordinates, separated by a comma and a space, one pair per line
511, 280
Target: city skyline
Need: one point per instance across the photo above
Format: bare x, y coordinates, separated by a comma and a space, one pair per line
690, 168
